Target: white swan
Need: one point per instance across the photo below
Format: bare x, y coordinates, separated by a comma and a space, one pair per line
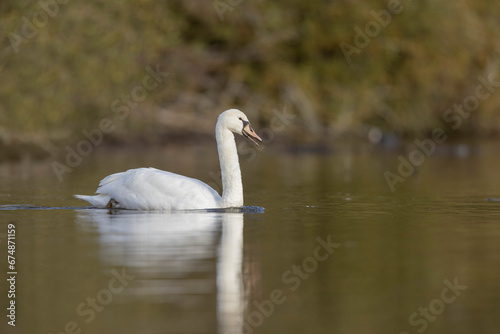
153, 189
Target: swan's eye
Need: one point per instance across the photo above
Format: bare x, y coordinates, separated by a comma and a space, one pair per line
241, 119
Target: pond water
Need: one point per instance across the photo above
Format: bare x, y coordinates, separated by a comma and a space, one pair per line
333, 250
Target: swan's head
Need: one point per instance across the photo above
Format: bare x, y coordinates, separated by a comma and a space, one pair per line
236, 121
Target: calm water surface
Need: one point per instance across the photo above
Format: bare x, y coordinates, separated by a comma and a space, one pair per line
334, 251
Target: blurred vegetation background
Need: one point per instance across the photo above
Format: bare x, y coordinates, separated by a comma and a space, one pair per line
259, 56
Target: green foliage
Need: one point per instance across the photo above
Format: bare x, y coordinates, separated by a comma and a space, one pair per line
262, 55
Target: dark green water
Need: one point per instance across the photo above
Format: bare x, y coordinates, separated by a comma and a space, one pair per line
335, 251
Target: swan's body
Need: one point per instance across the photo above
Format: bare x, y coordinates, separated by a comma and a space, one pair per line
153, 189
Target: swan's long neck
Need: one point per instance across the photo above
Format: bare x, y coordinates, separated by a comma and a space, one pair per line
232, 187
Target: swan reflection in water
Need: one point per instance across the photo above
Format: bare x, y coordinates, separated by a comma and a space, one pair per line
188, 263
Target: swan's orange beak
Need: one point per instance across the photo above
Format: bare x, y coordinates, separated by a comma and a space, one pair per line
250, 134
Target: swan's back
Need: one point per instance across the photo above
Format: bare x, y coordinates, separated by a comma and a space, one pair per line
153, 189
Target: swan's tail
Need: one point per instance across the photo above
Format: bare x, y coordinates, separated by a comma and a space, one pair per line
99, 201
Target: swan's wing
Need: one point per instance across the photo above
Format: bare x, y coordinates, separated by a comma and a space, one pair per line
153, 189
